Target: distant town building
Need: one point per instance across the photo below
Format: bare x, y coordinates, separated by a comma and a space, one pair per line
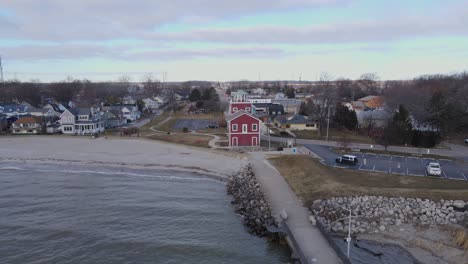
244, 129
295, 122
28, 125
81, 121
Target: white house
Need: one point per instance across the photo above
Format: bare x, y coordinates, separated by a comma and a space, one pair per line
129, 112
81, 121
151, 104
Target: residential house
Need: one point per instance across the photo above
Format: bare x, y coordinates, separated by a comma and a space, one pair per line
267, 109
81, 121
151, 104
53, 128
129, 111
28, 125
372, 118
55, 108
112, 119
290, 105
423, 126
373, 101
41, 111
258, 100
129, 100
259, 91
244, 129
296, 122
13, 109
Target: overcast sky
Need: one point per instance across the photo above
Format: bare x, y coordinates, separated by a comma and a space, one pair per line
223, 40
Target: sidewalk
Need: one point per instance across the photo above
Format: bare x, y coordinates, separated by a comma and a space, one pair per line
310, 240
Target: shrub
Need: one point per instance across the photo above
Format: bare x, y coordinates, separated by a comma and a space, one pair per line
185, 129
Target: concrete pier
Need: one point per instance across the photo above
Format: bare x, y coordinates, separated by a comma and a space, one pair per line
309, 241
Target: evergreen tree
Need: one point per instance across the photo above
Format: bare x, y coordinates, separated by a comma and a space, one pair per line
210, 94
195, 95
401, 127
290, 92
344, 117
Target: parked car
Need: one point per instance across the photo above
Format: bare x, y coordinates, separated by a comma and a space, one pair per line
347, 159
466, 140
212, 126
434, 169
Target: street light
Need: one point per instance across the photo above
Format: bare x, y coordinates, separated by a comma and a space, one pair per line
348, 239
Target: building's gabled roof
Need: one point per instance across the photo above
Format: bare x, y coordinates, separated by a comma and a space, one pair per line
83, 111
29, 120
10, 108
238, 114
270, 106
294, 119
373, 101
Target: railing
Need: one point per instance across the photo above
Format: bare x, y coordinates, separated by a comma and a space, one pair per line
295, 245
332, 243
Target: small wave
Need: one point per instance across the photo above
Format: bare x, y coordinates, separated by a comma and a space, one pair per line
167, 177
11, 168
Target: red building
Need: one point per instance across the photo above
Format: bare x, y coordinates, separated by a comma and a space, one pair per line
239, 102
237, 106
244, 129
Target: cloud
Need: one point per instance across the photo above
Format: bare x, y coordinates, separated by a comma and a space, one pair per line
127, 53
351, 32
59, 20
59, 52
230, 52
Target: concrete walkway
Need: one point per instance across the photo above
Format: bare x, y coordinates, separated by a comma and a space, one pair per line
310, 240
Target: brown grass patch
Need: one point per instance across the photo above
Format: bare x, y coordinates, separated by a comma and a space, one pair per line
311, 180
185, 139
461, 238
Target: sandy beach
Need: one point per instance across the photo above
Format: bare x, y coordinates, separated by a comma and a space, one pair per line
119, 152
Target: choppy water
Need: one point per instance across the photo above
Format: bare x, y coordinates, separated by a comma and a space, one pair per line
71, 214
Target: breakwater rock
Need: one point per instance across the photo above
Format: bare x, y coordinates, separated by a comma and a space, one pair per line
377, 214
249, 201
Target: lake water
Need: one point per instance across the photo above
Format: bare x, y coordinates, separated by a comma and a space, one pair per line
73, 214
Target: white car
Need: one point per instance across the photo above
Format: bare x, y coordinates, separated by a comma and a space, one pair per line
433, 169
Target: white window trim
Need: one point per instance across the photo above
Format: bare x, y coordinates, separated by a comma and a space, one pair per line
235, 109
256, 141
245, 128
254, 127
234, 127
247, 109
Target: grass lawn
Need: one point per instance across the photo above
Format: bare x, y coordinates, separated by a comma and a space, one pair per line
311, 180
334, 135
185, 139
168, 126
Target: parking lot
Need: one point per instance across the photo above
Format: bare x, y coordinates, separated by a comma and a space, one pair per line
193, 124
393, 164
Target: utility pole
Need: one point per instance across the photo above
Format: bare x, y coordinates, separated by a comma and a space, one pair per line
328, 121
268, 127
1, 70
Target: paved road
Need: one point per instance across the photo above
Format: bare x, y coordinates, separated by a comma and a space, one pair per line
313, 245
393, 164
146, 120
455, 151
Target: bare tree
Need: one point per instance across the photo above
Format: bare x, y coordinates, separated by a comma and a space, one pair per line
325, 97
151, 85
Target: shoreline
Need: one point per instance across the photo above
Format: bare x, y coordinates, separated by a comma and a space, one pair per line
129, 167
128, 153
